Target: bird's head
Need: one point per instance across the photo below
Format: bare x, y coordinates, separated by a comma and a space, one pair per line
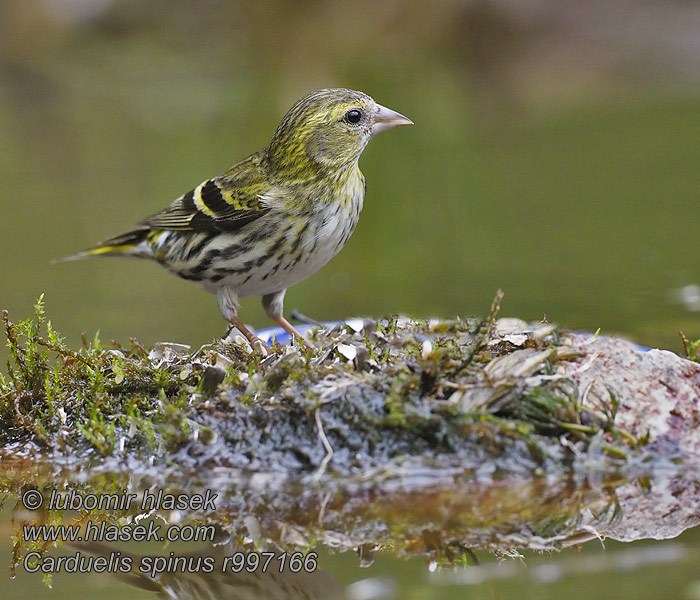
329, 129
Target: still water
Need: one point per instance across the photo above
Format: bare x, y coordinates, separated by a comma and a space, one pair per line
496, 513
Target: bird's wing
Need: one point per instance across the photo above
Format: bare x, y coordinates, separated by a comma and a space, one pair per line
224, 203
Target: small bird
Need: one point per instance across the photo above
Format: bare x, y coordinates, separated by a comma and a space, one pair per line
272, 219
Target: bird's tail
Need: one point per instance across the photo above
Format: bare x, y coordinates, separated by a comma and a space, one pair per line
132, 243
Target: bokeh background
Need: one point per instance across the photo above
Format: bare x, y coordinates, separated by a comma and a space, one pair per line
554, 155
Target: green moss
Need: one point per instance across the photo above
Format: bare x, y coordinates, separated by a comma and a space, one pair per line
73, 400
691, 348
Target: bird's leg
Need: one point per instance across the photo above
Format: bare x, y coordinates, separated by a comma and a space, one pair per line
228, 304
258, 345
273, 305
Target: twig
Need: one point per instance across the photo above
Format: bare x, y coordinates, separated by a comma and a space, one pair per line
326, 445
322, 511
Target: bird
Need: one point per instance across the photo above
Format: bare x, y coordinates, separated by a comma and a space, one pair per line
272, 219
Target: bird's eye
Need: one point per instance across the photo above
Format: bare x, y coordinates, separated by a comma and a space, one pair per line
353, 116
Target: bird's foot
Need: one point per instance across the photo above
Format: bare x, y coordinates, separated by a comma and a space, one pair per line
259, 347
291, 330
306, 343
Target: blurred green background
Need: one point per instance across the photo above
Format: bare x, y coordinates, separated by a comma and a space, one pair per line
554, 155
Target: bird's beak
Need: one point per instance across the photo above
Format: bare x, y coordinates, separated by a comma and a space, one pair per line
385, 118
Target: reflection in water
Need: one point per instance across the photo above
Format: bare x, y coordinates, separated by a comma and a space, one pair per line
660, 506
443, 522
237, 575
626, 560
440, 514
442, 517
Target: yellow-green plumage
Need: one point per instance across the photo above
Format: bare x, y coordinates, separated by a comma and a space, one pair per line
274, 218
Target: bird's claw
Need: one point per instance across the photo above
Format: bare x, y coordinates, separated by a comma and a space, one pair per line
305, 343
261, 348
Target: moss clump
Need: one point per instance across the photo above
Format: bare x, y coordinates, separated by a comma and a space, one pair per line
305, 440
691, 348
396, 387
86, 401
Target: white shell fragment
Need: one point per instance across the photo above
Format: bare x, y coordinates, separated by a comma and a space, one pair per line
356, 325
518, 332
221, 361
168, 351
348, 352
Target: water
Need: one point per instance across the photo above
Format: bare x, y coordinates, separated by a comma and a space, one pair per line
486, 514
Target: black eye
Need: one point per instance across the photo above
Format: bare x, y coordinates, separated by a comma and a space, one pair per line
353, 116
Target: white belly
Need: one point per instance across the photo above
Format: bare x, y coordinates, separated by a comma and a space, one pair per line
321, 242
272, 263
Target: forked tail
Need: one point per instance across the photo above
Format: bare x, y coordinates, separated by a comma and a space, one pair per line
132, 243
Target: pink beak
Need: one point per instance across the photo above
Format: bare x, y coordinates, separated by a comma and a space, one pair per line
385, 118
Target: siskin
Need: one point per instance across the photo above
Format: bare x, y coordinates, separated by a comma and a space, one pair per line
274, 218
